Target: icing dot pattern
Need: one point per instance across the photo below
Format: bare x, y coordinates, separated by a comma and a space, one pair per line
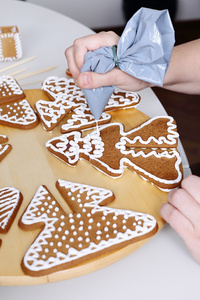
9, 89
64, 243
18, 114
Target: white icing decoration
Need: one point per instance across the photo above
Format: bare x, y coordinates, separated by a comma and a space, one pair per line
9, 198
51, 112
3, 149
11, 85
94, 140
17, 45
73, 153
94, 243
170, 140
64, 89
27, 118
83, 119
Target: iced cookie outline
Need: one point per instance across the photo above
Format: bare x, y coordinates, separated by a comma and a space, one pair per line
18, 114
66, 88
10, 90
164, 135
10, 38
63, 88
90, 230
81, 118
51, 113
99, 148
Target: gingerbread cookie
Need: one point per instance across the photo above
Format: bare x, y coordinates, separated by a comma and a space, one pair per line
10, 201
122, 100
67, 89
18, 114
10, 90
51, 113
111, 150
92, 229
81, 119
65, 93
10, 43
4, 149
3, 139
156, 132
64, 88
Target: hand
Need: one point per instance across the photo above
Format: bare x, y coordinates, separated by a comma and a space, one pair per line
182, 212
89, 80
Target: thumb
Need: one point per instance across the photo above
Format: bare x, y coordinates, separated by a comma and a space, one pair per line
92, 80
115, 77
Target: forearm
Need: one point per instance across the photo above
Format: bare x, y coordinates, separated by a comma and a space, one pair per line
183, 74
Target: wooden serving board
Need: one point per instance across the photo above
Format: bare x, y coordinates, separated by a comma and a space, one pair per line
30, 165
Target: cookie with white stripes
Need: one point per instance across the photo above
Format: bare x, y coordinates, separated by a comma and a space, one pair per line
10, 201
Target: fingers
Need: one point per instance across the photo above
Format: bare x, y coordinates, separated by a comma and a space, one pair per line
76, 53
177, 221
183, 201
74, 70
184, 228
182, 212
192, 185
95, 41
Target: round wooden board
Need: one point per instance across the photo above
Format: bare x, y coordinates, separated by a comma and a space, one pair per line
30, 165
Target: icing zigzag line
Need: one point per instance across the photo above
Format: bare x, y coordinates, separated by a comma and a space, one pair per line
99, 148
11, 83
170, 139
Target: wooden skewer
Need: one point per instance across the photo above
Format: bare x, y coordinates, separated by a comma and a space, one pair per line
34, 73
17, 64
16, 72
29, 83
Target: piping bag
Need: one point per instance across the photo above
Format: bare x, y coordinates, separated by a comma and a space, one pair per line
143, 51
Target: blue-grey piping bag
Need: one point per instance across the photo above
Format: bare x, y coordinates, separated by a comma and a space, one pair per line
143, 51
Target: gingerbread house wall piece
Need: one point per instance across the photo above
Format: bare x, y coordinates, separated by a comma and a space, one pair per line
10, 43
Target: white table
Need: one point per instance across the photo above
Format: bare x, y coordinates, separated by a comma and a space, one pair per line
163, 268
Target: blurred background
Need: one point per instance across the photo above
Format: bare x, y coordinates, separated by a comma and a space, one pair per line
112, 15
